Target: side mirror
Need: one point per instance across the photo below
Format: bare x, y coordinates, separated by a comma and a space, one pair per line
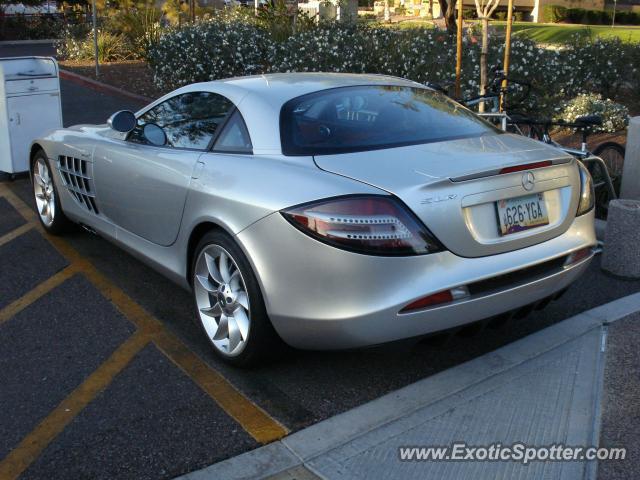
123, 121
154, 135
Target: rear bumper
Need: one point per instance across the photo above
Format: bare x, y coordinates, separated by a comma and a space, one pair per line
320, 297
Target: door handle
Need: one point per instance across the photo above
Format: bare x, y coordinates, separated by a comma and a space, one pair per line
197, 170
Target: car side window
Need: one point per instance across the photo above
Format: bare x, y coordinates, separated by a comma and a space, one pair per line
189, 120
234, 138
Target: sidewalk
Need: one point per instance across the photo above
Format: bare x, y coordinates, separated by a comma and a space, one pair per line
541, 390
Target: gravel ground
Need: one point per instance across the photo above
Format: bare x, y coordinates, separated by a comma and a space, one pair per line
621, 400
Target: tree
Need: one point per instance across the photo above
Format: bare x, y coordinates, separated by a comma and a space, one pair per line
485, 9
387, 11
448, 8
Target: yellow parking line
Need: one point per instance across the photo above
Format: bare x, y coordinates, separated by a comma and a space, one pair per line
259, 424
253, 419
45, 287
33, 444
15, 233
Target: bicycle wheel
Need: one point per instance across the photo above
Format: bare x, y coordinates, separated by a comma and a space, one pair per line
613, 155
603, 197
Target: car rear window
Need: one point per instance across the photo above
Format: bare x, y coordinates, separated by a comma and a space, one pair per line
351, 119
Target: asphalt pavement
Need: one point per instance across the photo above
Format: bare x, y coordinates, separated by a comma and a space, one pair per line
154, 416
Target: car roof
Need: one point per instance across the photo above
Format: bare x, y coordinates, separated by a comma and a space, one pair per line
259, 98
285, 86
278, 88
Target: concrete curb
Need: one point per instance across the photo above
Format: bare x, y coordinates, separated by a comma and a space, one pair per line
28, 42
100, 87
301, 447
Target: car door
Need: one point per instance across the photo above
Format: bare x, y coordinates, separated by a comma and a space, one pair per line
141, 187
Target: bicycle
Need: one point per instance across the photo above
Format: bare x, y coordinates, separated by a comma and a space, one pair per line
510, 120
605, 184
604, 163
496, 97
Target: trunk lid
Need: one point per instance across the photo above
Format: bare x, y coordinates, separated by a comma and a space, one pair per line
453, 187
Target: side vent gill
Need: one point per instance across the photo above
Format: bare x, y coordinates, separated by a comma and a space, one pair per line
77, 175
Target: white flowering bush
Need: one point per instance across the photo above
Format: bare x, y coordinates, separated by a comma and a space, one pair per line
224, 46
615, 116
420, 54
237, 44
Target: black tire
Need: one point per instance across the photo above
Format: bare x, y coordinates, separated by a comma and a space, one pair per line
613, 155
60, 223
262, 343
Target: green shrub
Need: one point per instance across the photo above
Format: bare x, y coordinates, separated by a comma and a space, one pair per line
606, 17
575, 15
592, 17
626, 18
140, 26
554, 13
622, 18
501, 15
469, 14
110, 47
518, 16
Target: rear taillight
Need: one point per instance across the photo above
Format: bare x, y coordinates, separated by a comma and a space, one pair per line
374, 225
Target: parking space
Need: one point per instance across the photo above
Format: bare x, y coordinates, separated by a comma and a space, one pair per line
105, 374
152, 414
56, 342
96, 386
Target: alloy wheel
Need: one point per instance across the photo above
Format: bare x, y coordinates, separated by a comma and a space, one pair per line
222, 300
44, 192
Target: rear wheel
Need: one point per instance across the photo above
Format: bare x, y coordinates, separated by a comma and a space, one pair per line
229, 304
50, 213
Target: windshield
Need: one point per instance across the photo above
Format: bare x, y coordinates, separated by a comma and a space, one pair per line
351, 119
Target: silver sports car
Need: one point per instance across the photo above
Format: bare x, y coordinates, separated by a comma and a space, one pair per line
325, 210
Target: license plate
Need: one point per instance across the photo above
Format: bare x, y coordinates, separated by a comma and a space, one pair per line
522, 213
